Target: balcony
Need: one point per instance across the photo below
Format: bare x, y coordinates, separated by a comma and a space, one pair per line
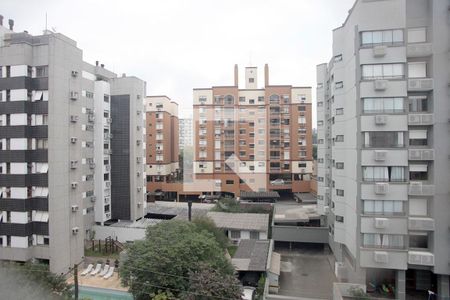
419, 50
419, 189
420, 119
420, 84
423, 224
421, 154
421, 258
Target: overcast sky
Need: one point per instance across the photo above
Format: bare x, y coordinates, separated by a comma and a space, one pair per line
177, 45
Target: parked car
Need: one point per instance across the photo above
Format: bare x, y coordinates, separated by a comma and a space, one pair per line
278, 181
249, 293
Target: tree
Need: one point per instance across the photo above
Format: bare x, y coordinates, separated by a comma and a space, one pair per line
167, 255
207, 283
205, 223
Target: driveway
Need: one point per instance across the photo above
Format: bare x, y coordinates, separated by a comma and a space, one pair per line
306, 272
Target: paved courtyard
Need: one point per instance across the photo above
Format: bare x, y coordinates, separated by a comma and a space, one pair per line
306, 272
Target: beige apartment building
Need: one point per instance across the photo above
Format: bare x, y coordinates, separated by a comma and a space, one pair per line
162, 144
252, 139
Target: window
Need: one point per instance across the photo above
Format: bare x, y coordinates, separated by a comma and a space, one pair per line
384, 174
417, 35
260, 98
251, 80
383, 139
339, 165
202, 99
383, 71
235, 234
383, 207
339, 111
339, 192
254, 235
417, 70
383, 105
42, 71
340, 219
339, 85
385, 37
339, 138
241, 99
106, 98
418, 137
418, 240
376, 240
338, 58
418, 104
229, 181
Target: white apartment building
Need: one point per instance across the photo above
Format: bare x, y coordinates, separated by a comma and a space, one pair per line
186, 133
383, 146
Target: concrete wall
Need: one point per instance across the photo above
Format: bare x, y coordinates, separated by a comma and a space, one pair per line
300, 234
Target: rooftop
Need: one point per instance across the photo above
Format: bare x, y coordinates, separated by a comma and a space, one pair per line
240, 221
251, 255
295, 212
178, 209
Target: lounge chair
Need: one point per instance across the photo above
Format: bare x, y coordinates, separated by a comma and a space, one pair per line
109, 274
87, 270
97, 269
104, 271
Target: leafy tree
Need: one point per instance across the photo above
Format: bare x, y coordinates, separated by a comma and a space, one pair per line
167, 255
260, 288
207, 283
205, 223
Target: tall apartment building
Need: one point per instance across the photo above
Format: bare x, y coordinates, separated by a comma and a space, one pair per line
54, 132
253, 139
162, 142
186, 133
383, 145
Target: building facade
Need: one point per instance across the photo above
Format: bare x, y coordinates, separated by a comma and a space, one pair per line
186, 133
162, 149
383, 139
54, 126
253, 139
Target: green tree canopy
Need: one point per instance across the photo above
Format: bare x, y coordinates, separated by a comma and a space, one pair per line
170, 252
205, 223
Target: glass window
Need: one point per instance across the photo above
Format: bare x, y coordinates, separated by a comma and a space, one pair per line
383, 105
382, 37
417, 70
418, 104
382, 71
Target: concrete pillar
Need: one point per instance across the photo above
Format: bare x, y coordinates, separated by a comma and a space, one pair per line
443, 285
400, 285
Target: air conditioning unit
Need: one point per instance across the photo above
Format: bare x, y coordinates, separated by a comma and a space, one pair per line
73, 164
381, 223
381, 188
75, 230
380, 155
73, 119
74, 208
93, 198
74, 184
73, 95
380, 85
326, 209
73, 140
74, 73
380, 257
414, 119
380, 119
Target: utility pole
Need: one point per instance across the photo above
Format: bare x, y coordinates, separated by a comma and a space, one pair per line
189, 210
75, 280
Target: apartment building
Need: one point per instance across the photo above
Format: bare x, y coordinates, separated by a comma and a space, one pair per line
383, 141
162, 149
253, 139
186, 138
55, 136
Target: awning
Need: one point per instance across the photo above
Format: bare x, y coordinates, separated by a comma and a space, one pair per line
37, 96
417, 134
418, 168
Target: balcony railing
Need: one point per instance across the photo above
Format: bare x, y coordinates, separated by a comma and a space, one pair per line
419, 189
420, 84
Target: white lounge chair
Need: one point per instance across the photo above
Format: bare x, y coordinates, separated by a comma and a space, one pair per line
110, 273
104, 271
87, 270
97, 269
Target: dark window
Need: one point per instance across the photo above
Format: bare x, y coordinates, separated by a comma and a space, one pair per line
340, 219
229, 181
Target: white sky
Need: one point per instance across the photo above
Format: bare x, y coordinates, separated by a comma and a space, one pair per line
177, 45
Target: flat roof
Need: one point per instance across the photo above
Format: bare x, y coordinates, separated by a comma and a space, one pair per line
295, 213
251, 255
178, 209
240, 221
